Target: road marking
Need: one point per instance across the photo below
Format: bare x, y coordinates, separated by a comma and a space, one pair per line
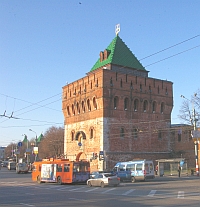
108, 190
25, 204
128, 192
92, 189
180, 194
77, 199
77, 189
63, 188
152, 193
30, 194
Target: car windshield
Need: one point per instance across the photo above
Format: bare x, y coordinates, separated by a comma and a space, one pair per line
109, 175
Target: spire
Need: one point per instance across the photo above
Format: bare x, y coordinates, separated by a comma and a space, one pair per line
25, 138
117, 29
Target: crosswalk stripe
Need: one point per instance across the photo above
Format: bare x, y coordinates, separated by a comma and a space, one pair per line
180, 194
108, 190
76, 189
92, 189
128, 192
152, 193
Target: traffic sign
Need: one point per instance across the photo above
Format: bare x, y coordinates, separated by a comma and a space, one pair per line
19, 144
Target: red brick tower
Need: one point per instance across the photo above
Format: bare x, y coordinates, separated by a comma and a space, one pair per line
117, 113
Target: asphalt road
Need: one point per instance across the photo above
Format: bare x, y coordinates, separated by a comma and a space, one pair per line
19, 190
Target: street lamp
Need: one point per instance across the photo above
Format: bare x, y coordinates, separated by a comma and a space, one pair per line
25, 137
194, 122
35, 141
12, 148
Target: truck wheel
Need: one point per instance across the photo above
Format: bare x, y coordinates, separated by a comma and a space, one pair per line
59, 180
133, 179
38, 179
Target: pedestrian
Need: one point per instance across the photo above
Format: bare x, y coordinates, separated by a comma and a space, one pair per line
179, 171
156, 169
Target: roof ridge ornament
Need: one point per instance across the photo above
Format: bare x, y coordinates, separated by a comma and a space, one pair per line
117, 29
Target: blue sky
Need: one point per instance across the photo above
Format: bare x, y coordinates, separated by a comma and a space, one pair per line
44, 44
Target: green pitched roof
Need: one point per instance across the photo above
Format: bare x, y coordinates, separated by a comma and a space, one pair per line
25, 139
39, 139
120, 54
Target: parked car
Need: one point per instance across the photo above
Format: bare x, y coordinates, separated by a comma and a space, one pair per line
4, 164
22, 167
11, 166
104, 179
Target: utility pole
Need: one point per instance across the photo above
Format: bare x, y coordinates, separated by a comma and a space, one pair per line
196, 142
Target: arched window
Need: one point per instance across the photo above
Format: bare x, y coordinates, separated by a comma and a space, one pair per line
162, 108
136, 103
111, 82
72, 135
145, 106
149, 89
78, 108
140, 87
91, 132
126, 104
121, 83
68, 111
131, 85
94, 103
154, 107
73, 109
116, 102
134, 133
88, 105
83, 106
166, 92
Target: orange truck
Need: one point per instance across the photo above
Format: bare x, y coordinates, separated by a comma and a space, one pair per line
61, 171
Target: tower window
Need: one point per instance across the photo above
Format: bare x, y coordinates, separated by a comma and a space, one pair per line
88, 105
154, 107
72, 135
122, 132
136, 105
134, 133
159, 135
145, 105
116, 100
126, 104
162, 108
94, 103
91, 133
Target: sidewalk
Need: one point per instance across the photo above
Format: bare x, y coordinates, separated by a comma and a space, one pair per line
175, 177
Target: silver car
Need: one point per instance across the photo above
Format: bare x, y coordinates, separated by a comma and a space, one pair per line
104, 179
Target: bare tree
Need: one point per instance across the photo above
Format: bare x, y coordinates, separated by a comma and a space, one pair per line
190, 110
52, 144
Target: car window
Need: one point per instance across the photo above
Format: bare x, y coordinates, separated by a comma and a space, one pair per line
100, 176
109, 175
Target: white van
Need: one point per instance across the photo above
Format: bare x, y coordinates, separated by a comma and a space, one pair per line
135, 170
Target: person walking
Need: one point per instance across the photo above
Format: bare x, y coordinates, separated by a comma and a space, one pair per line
179, 171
